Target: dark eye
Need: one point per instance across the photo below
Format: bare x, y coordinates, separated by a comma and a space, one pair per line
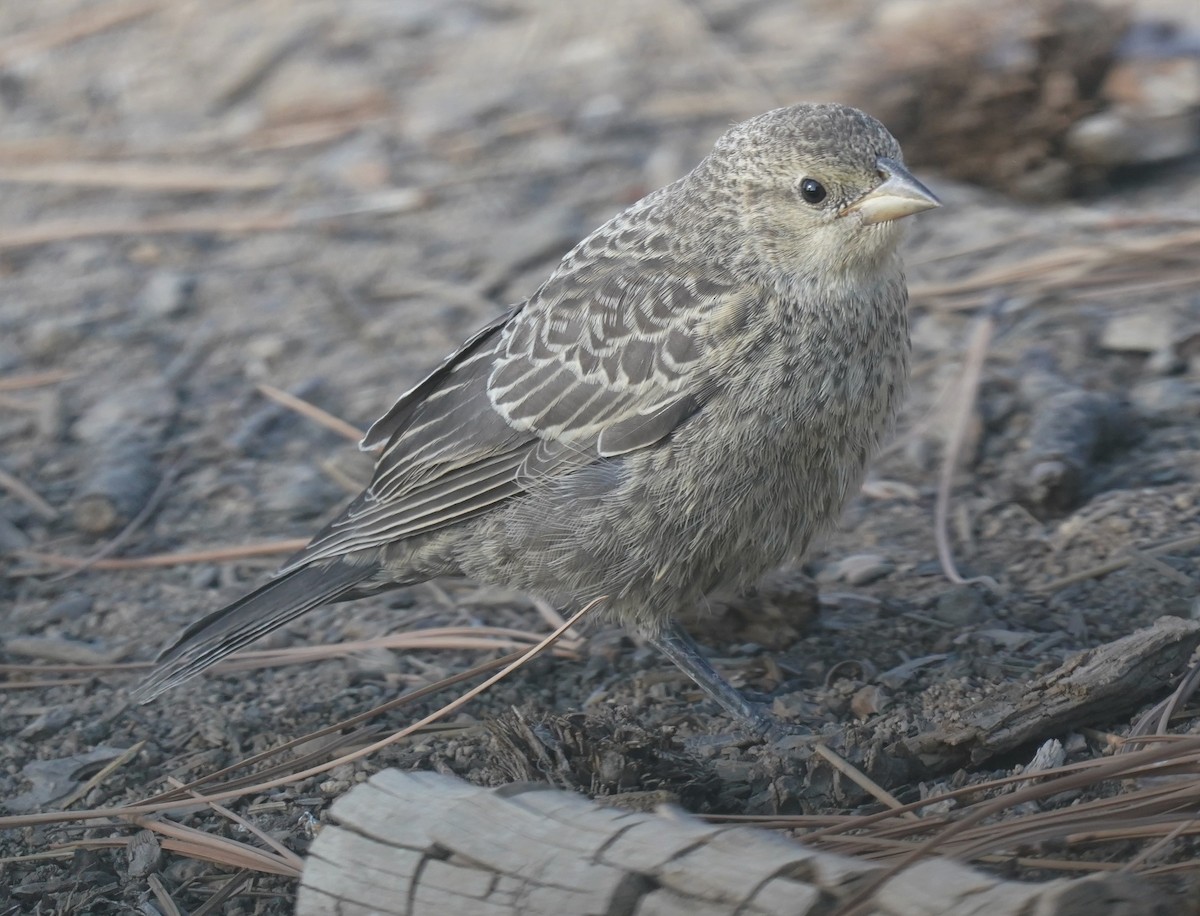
812, 190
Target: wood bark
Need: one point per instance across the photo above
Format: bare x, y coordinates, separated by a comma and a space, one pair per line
424, 844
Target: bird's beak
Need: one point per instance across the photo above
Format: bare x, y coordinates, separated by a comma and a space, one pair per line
899, 195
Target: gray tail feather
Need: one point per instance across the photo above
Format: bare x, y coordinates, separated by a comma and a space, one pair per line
222, 632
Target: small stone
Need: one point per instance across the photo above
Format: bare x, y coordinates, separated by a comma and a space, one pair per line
147, 405
960, 606
1117, 138
793, 706
300, 491
47, 724
203, 577
167, 294
1137, 332
373, 663
51, 338
1167, 361
70, 606
858, 569
1162, 396
869, 700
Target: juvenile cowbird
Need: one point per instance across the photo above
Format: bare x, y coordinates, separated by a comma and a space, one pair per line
686, 401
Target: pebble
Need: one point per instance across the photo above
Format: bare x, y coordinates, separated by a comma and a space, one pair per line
70, 606
47, 724
1124, 138
50, 338
203, 577
145, 405
1137, 332
167, 294
961, 605
793, 705
300, 491
857, 569
869, 700
1167, 396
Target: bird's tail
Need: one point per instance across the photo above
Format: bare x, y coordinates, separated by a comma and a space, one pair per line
222, 632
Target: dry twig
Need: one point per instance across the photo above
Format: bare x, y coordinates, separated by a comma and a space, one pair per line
72, 29
968, 389
312, 412
27, 495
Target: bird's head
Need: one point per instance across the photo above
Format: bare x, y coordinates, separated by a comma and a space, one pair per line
817, 189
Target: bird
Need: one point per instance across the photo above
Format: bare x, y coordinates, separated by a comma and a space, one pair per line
684, 404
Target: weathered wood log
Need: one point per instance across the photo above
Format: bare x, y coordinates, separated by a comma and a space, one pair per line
1096, 685
423, 844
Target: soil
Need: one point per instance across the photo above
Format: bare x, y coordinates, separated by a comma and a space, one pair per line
327, 197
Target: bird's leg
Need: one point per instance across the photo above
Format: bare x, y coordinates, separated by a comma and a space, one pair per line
680, 648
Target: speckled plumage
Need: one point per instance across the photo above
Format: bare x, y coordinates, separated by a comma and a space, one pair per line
686, 401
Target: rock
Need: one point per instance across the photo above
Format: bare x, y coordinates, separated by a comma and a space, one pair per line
167, 294
960, 606
70, 606
148, 405
1137, 332
47, 724
857, 569
1162, 396
869, 700
300, 491
1116, 137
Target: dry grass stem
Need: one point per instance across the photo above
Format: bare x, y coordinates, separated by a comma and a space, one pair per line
219, 222
139, 176
312, 412
113, 765
1162, 805
136, 812
1105, 266
34, 379
183, 558
968, 390
72, 29
1179, 545
862, 780
27, 495
163, 896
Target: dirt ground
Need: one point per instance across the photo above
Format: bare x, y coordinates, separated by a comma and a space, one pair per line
199, 198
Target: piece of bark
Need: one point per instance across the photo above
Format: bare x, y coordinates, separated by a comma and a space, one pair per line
1093, 686
1070, 431
423, 844
119, 481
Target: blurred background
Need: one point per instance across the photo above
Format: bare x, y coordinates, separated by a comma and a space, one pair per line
200, 198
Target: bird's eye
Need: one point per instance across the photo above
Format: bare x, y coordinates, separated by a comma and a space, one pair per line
812, 190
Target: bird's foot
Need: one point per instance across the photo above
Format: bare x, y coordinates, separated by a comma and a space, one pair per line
751, 711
